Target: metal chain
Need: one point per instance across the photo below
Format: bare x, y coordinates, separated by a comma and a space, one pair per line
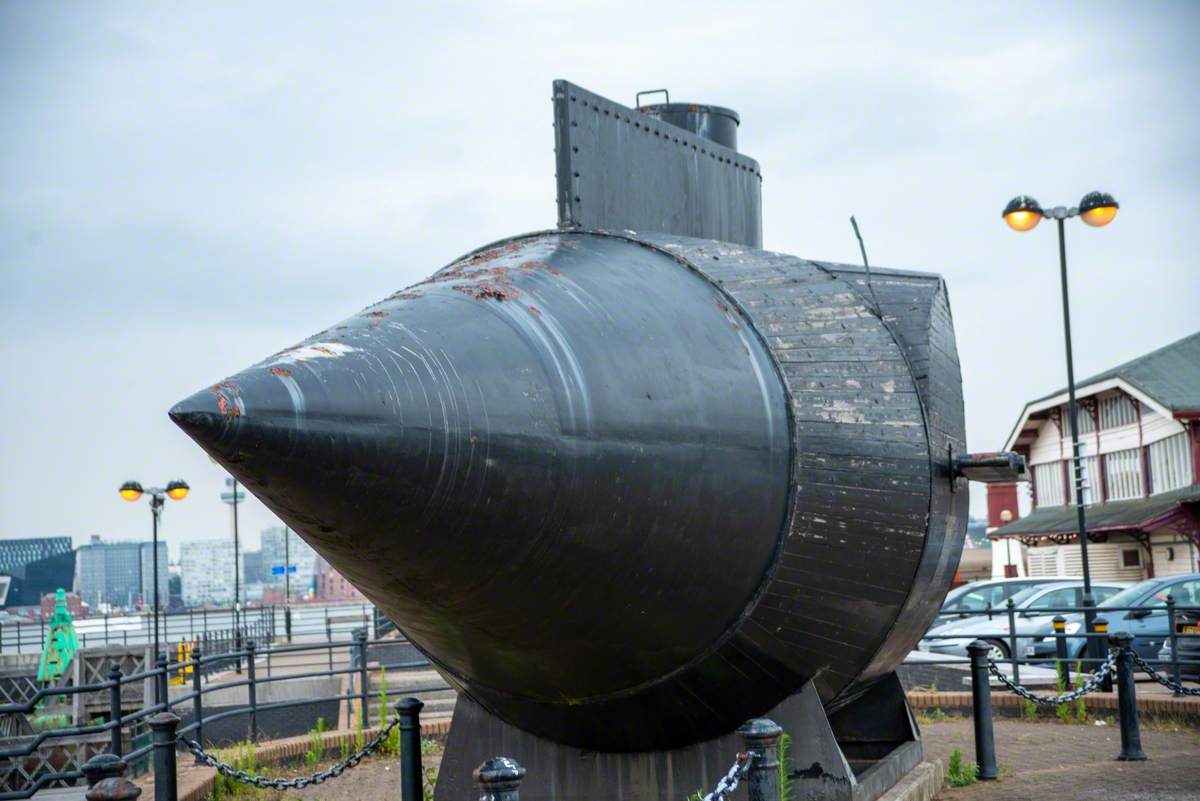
1088, 686
1160, 678
300, 782
729, 782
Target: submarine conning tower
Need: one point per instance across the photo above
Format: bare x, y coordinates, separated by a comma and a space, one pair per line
634, 480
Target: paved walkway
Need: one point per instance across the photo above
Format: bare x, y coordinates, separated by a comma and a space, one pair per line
1064, 762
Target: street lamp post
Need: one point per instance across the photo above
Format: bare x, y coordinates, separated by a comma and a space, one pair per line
131, 491
233, 498
287, 583
1097, 209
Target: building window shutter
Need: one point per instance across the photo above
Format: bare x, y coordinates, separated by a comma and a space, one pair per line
1170, 463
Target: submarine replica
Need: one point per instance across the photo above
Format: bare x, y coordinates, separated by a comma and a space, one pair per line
633, 480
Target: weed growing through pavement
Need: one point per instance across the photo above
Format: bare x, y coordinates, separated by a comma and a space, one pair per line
316, 745
958, 774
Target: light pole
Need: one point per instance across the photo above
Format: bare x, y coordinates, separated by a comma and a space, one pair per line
176, 490
233, 498
1097, 209
287, 582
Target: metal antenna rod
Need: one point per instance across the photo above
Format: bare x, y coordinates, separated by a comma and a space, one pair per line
866, 265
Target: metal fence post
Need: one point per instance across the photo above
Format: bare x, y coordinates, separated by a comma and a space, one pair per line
499, 779
237, 647
197, 701
287, 622
252, 692
1060, 651
114, 707
1012, 641
761, 739
1131, 736
981, 700
1174, 635
163, 726
160, 678
409, 710
1100, 627
360, 641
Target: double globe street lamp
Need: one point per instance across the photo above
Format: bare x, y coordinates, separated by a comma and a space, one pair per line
131, 491
1097, 209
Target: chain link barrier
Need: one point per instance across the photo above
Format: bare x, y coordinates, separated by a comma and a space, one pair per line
300, 782
730, 781
1092, 683
1160, 678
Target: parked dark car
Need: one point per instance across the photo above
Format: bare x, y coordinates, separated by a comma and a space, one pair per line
1147, 621
1187, 626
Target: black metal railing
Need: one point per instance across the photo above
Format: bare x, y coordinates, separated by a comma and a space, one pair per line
1061, 649
299, 621
191, 686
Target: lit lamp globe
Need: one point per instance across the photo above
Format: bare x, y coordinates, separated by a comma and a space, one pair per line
1022, 213
1098, 208
130, 491
1006, 516
177, 490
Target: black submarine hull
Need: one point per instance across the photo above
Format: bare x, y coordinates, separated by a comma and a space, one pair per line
624, 491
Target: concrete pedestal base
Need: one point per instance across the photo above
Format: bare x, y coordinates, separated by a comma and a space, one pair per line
856, 754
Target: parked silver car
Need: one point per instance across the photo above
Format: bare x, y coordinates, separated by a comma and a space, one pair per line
951, 638
989, 593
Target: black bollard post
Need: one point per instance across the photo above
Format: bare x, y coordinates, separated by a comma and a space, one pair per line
197, 700
360, 642
105, 775
981, 699
1060, 651
499, 779
1012, 641
1131, 736
411, 777
1101, 628
163, 726
101, 767
761, 739
251, 692
114, 707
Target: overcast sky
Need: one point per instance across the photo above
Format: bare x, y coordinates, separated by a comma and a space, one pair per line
186, 188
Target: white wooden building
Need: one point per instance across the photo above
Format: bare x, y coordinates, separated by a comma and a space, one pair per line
1139, 427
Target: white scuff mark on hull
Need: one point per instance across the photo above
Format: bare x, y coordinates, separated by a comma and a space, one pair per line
314, 350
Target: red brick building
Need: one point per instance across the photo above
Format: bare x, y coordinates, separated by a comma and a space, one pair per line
332, 585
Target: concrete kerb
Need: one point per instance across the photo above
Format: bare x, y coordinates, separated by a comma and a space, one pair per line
922, 783
196, 781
